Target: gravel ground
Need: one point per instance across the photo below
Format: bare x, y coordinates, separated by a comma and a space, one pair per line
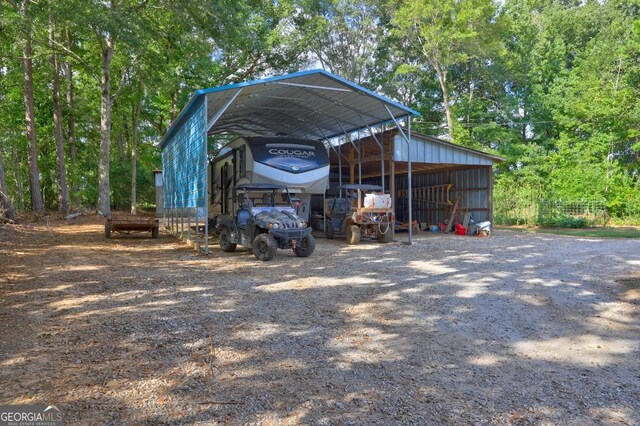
513, 329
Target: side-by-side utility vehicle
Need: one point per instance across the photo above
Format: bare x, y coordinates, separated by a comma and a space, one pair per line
263, 218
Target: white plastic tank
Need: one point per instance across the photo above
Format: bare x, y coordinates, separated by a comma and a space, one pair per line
377, 201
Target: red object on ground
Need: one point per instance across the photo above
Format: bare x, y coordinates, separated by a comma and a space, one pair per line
460, 230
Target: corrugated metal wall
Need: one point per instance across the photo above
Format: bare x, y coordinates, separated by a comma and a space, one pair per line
471, 185
184, 164
424, 150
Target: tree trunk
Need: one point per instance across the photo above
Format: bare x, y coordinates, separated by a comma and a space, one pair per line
6, 209
63, 190
71, 124
122, 136
134, 146
470, 101
17, 175
104, 196
442, 79
173, 108
3, 180
37, 204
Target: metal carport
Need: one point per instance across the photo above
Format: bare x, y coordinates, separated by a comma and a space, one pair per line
308, 104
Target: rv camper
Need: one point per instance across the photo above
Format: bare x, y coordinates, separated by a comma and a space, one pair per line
299, 164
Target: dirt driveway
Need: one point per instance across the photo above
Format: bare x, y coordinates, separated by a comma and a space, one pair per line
513, 329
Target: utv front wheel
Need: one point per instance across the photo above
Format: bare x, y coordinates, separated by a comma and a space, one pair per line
306, 246
353, 234
225, 241
264, 247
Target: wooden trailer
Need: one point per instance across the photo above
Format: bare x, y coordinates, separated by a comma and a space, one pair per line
125, 224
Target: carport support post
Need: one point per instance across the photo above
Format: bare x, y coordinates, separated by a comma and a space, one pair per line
189, 224
340, 166
338, 152
195, 232
408, 141
392, 188
358, 151
208, 126
490, 194
206, 177
409, 179
381, 145
182, 223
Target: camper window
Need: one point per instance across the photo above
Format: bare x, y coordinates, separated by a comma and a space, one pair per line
242, 161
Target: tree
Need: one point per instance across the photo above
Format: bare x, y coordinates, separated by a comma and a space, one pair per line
6, 208
136, 106
71, 123
63, 191
447, 34
37, 203
342, 35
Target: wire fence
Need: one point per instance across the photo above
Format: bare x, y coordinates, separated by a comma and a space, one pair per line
551, 212
572, 213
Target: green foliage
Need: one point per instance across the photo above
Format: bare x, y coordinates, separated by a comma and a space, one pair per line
552, 87
566, 222
171, 47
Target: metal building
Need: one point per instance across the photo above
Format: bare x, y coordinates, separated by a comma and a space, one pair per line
309, 105
445, 178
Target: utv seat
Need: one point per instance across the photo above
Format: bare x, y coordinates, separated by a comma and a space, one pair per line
243, 217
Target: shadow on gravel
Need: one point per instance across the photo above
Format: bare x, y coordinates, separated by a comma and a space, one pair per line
507, 330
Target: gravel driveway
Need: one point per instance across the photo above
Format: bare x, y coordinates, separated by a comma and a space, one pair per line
513, 329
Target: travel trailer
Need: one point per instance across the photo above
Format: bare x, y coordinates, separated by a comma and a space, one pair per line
299, 164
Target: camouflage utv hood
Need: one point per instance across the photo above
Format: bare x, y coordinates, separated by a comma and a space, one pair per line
285, 219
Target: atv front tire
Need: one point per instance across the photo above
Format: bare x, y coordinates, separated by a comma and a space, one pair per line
264, 247
306, 246
225, 241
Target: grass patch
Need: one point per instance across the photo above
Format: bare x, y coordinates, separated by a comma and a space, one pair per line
605, 232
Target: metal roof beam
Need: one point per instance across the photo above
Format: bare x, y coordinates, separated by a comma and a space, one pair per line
356, 110
321, 112
311, 86
218, 114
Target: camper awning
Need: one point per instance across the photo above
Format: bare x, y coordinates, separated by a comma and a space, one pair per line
308, 105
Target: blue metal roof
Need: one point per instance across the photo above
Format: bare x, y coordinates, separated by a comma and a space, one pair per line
312, 104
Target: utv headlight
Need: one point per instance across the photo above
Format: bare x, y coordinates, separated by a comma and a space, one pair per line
302, 225
274, 225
